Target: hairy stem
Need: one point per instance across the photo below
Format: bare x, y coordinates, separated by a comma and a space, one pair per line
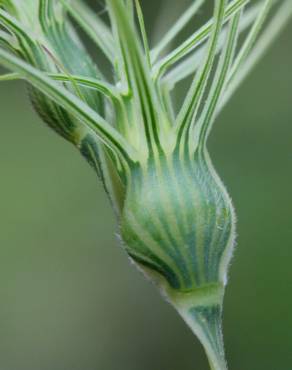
202, 311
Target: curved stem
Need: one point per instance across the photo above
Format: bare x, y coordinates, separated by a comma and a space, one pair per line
205, 322
202, 311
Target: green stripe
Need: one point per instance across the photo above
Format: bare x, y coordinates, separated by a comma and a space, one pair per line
160, 267
195, 40
195, 94
69, 102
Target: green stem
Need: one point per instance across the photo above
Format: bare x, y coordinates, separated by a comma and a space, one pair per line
202, 312
205, 322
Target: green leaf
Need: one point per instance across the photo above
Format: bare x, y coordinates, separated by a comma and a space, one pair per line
191, 64
135, 74
91, 121
55, 47
9, 77
195, 40
25, 11
104, 87
99, 85
219, 82
26, 40
143, 31
176, 29
187, 114
5, 39
95, 28
251, 38
130, 7
272, 30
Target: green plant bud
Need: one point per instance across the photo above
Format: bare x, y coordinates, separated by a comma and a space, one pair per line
178, 225
52, 45
176, 219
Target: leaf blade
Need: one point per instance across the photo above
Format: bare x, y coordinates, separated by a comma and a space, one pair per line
176, 28
93, 26
195, 40
190, 106
272, 31
192, 63
91, 120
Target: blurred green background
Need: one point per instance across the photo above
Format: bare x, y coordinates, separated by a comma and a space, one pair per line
70, 300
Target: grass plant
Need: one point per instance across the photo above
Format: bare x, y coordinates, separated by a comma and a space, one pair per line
176, 219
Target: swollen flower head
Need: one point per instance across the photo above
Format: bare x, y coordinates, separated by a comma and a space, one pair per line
176, 219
